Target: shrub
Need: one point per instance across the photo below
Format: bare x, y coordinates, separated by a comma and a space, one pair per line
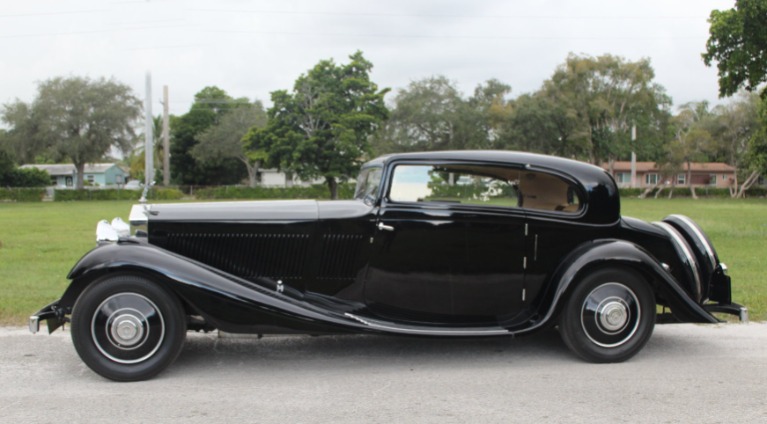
106, 194
22, 194
699, 191
162, 193
27, 177
317, 191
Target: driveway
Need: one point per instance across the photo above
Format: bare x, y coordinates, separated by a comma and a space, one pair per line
687, 373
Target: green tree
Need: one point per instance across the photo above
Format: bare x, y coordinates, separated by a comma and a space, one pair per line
755, 157
210, 105
484, 115
75, 118
605, 96
323, 127
225, 139
693, 139
425, 116
738, 43
432, 114
539, 124
732, 127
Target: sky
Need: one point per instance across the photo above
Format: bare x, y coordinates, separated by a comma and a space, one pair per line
251, 48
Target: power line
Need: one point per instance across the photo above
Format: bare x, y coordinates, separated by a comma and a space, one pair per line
446, 16
33, 14
457, 37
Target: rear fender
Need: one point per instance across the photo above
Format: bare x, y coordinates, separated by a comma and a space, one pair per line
601, 253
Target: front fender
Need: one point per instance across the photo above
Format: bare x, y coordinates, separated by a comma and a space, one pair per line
228, 302
611, 252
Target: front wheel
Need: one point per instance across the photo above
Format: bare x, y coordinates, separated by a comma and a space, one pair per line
609, 316
127, 328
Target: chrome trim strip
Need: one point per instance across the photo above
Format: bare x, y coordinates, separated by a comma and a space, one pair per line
428, 331
679, 241
700, 236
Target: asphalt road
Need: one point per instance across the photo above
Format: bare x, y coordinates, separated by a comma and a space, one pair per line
687, 373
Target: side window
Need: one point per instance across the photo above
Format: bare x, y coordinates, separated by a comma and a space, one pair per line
547, 192
511, 187
367, 183
462, 184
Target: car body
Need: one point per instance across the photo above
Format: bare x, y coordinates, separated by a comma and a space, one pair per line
444, 244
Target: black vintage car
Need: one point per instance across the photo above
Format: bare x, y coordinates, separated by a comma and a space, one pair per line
443, 244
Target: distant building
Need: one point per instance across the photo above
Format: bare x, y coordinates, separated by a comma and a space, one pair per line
96, 174
275, 178
708, 174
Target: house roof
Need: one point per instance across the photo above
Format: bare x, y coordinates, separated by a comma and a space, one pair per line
53, 170
69, 169
625, 166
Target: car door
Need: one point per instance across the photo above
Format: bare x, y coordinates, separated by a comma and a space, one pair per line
447, 249
554, 207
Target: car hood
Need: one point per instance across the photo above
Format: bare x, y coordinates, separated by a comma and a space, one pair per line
263, 210
271, 210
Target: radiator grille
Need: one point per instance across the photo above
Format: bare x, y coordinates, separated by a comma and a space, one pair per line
250, 256
340, 256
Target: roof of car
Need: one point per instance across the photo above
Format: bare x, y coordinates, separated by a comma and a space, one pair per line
501, 156
600, 188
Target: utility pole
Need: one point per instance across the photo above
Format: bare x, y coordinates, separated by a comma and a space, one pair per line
165, 138
148, 133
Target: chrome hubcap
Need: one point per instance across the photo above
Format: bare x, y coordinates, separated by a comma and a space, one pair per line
613, 315
610, 315
127, 328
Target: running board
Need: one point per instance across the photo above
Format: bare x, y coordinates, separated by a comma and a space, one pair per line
428, 331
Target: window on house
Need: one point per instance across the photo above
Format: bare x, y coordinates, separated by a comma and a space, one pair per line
712, 180
681, 179
89, 178
651, 179
623, 177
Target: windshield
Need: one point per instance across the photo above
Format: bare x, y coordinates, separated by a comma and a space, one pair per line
367, 183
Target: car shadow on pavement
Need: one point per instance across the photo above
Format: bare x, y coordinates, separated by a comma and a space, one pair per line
347, 351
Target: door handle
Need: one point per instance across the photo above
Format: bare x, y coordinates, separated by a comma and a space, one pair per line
383, 227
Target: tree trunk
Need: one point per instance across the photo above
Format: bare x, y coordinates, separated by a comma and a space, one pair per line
333, 187
751, 180
692, 193
657, 193
689, 175
79, 181
252, 173
648, 191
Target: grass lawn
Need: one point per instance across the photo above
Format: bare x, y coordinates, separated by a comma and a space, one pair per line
40, 242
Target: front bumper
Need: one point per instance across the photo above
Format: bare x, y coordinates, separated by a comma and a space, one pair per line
51, 314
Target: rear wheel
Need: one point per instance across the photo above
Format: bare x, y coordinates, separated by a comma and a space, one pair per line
609, 316
126, 328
